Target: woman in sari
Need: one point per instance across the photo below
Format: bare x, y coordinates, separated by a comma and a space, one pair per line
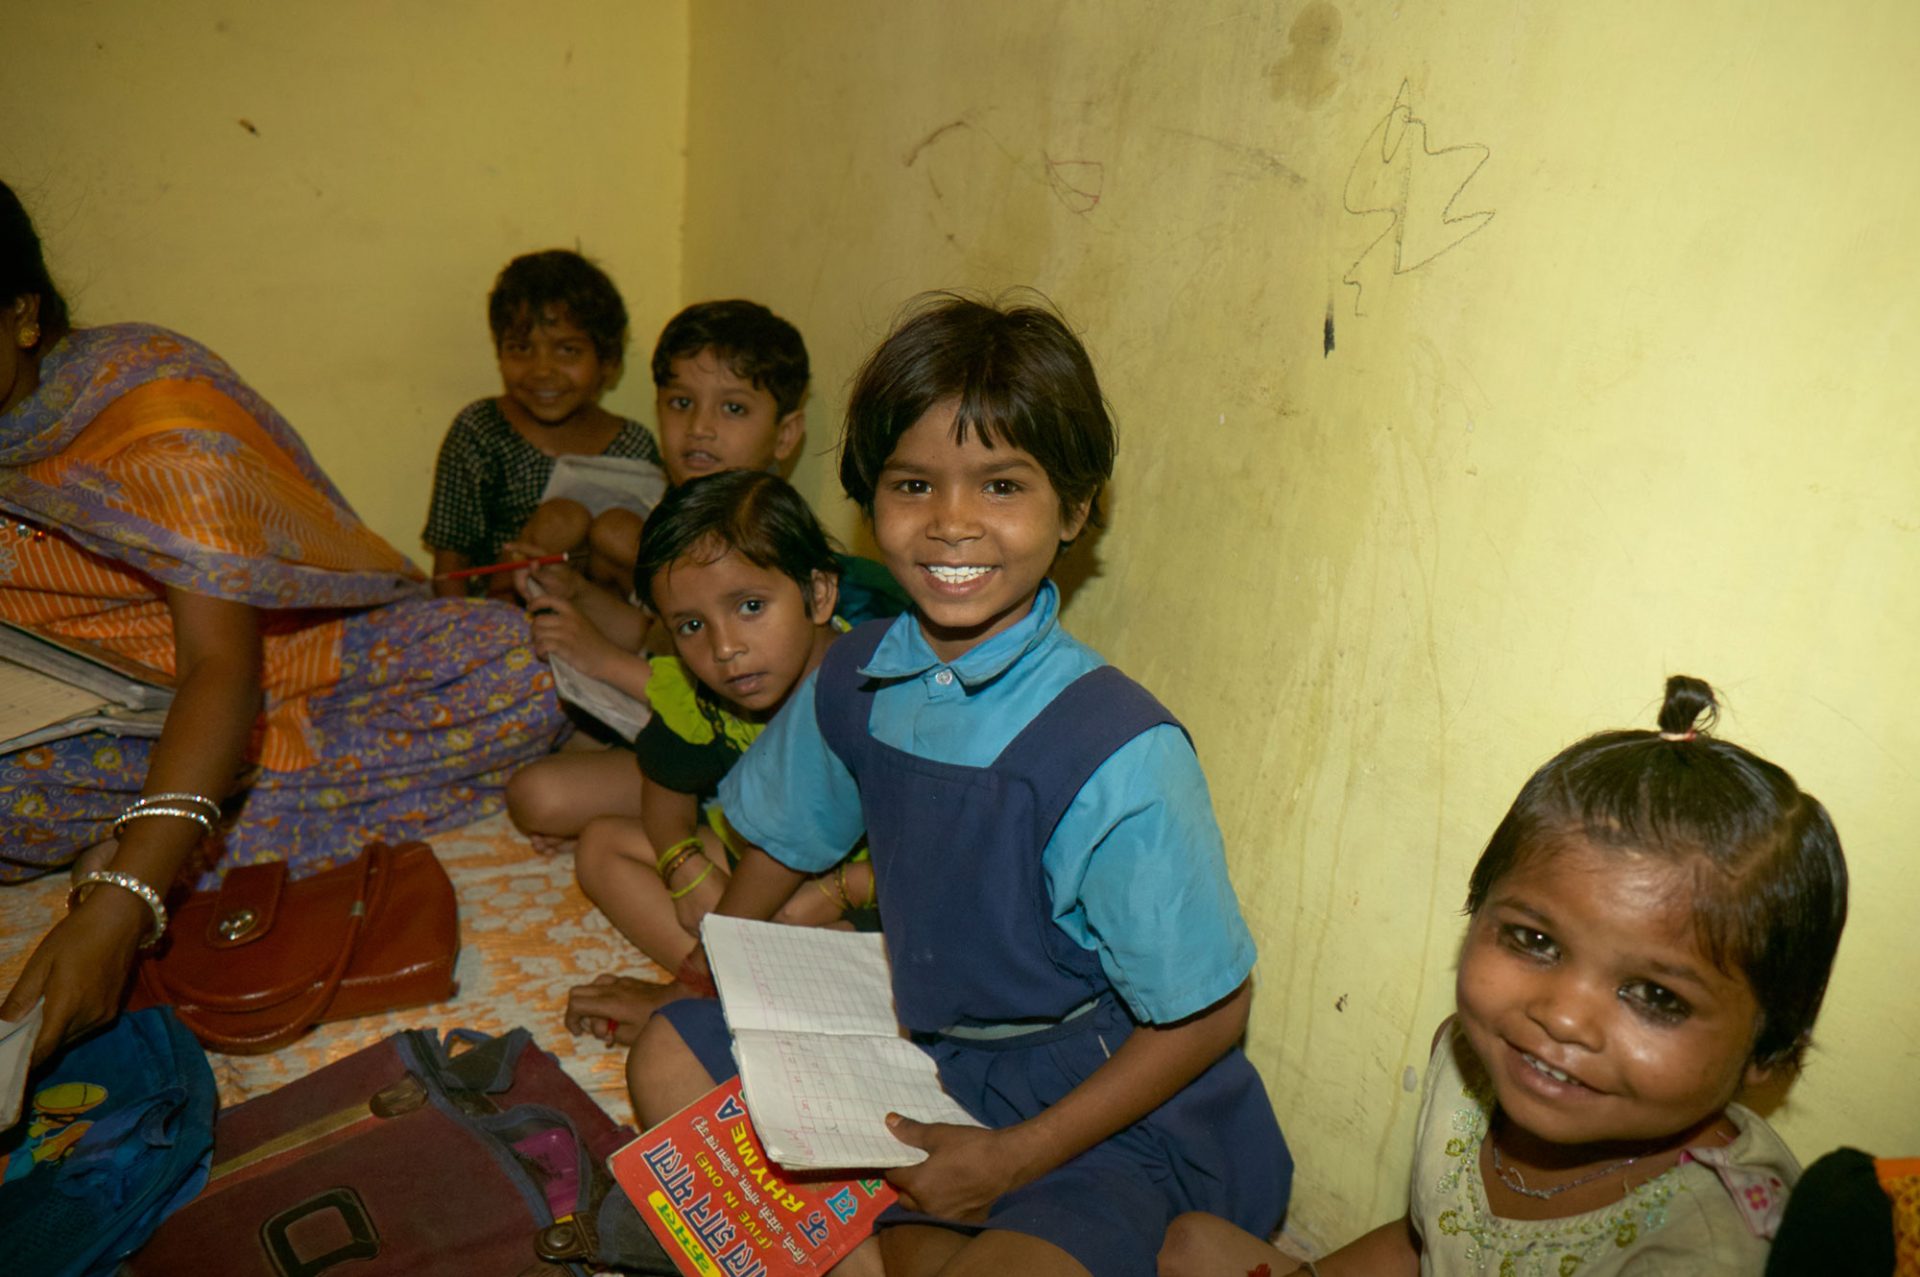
156, 506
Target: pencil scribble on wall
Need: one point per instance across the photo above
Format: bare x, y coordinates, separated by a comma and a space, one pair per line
1400, 174
1076, 183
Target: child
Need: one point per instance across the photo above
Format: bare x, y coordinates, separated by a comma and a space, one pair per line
559, 328
1064, 939
730, 378
744, 579
1651, 928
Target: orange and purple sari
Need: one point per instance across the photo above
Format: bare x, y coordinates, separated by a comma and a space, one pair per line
143, 461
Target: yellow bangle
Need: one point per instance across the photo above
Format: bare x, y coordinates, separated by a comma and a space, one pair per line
873, 890
677, 855
688, 889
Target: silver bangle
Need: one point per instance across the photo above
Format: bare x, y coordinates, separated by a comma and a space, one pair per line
148, 800
126, 882
138, 812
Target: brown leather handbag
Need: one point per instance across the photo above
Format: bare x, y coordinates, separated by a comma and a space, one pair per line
251, 967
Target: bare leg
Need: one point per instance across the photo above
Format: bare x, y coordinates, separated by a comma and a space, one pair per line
663, 1074
862, 1261
553, 798
915, 1249
919, 1250
613, 546
1203, 1245
614, 864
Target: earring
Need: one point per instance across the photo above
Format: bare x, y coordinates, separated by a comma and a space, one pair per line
29, 335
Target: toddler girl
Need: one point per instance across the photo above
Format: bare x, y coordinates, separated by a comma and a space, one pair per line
744, 582
1650, 930
1064, 940
559, 330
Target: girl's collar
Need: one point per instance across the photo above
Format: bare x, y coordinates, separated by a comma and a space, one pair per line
905, 653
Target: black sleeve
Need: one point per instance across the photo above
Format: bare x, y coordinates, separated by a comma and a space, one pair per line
673, 762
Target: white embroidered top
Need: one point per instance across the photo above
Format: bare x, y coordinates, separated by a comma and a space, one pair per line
1711, 1215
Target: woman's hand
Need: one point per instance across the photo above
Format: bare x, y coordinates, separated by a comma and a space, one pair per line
81, 964
80, 967
966, 1171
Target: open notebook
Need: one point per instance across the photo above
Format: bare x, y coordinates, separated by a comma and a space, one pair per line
822, 1059
54, 687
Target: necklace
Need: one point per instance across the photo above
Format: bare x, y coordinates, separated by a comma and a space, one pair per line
1510, 1176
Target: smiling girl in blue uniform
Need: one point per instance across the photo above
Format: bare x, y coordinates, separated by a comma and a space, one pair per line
1064, 939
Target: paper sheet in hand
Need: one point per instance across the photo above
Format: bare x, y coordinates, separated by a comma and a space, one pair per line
599, 698
604, 483
822, 1059
16, 1053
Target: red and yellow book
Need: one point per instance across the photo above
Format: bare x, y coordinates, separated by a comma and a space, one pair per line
720, 1209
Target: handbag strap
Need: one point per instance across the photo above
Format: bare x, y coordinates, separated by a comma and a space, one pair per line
300, 1014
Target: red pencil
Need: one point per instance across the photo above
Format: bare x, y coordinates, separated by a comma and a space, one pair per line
491, 568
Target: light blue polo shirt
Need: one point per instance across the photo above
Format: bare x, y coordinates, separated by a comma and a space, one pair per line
1136, 868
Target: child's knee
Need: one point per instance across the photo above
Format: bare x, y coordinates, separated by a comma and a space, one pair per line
663, 1074
559, 525
615, 537
1183, 1246
1193, 1245
608, 838
533, 798
613, 547
607, 845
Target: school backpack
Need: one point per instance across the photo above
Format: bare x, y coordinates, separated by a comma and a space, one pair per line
412, 1156
117, 1135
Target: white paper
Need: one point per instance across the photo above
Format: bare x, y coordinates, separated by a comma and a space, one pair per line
822, 1057
602, 699
605, 483
16, 1053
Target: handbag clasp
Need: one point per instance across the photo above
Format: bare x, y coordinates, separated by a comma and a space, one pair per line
236, 924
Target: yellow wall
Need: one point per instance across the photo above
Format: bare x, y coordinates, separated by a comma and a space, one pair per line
1652, 415
324, 193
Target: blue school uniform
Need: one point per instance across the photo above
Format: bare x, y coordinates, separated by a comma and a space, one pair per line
1049, 872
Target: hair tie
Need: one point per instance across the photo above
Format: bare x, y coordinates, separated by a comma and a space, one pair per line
1678, 736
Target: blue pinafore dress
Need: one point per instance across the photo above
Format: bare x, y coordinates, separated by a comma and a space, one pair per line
1012, 1010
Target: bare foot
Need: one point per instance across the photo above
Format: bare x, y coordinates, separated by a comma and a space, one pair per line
614, 1008
98, 856
552, 844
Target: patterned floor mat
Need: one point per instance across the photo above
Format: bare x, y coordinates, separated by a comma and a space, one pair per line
527, 935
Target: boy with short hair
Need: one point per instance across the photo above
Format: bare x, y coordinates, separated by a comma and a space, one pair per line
730, 378
730, 381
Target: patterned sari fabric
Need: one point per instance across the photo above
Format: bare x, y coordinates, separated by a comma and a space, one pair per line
143, 462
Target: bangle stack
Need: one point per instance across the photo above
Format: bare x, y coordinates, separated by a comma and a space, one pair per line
126, 882
198, 808
677, 855
838, 892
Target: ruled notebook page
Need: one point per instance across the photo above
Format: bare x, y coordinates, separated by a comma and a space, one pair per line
822, 1059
